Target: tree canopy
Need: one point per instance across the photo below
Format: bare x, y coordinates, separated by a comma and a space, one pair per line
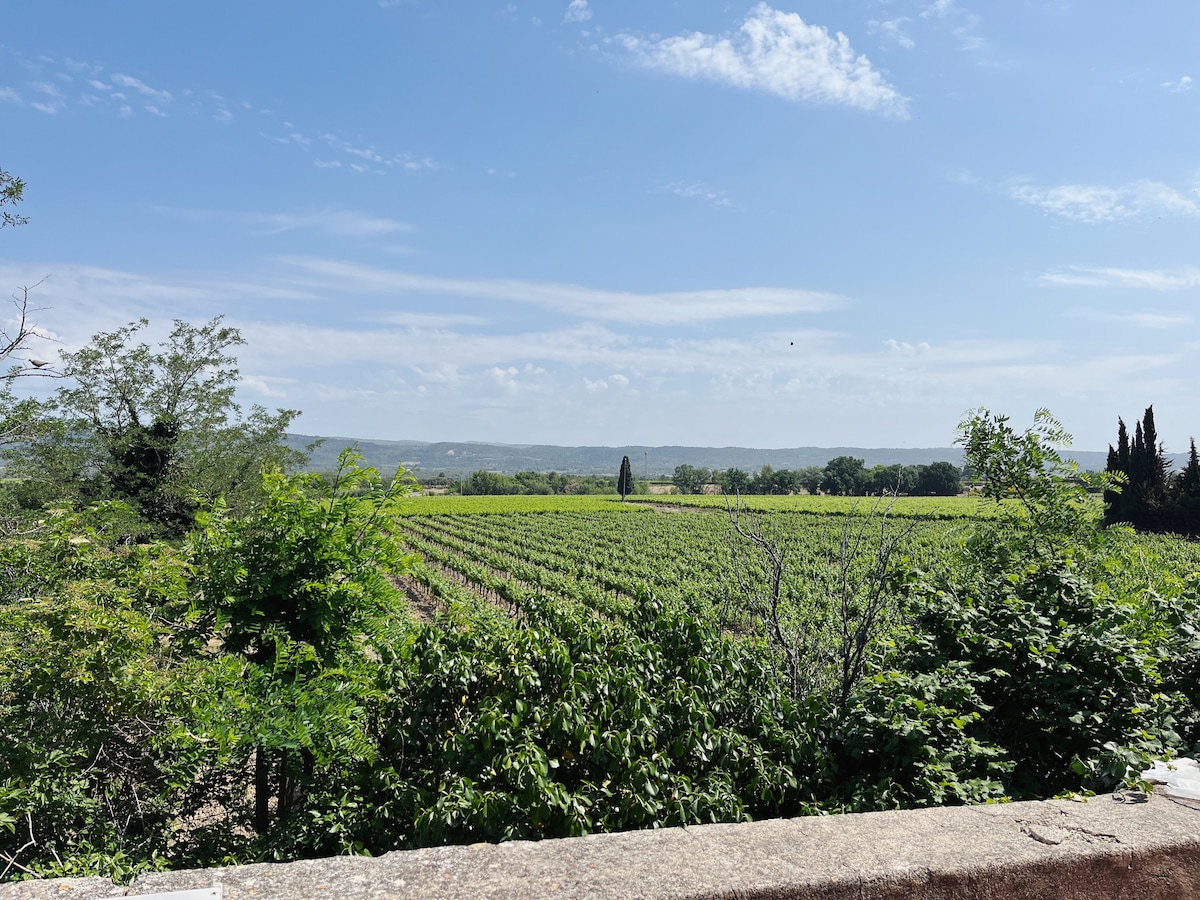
158, 428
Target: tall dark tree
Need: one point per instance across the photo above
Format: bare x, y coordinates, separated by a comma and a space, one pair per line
939, 479
1186, 496
1147, 501
625, 479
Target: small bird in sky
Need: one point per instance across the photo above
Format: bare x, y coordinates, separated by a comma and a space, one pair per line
39, 363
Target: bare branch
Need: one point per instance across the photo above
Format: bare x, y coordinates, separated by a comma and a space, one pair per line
825, 638
24, 330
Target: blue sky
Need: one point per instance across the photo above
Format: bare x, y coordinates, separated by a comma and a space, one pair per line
615, 222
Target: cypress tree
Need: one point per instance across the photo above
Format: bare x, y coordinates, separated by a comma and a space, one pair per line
1155, 462
625, 479
1189, 481
1112, 498
1149, 501
1187, 496
1122, 446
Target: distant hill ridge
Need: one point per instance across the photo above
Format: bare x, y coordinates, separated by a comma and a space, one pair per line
456, 459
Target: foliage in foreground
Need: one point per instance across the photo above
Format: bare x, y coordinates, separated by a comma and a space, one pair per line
252, 693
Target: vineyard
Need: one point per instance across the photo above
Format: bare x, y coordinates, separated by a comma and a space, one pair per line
603, 554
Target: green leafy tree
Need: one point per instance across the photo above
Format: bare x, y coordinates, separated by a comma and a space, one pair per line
625, 479
155, 427
894, 479
483, 483
939, 479
845, 476
689, 479
295, 586
102, 753
12, 190
534, 483
735, 481
809, 478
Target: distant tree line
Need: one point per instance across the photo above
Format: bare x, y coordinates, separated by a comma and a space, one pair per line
843, 476
483, 483
1152, 498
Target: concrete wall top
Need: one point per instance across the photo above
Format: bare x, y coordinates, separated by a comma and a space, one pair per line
1098, 849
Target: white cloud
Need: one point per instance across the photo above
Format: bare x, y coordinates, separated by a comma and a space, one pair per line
577, 11
330, 220
8, 95
435, 321
125, 111
903, 348
674, 308
938, 9
334, 221
1152, 320
405, 162
776, 52
1147, 279
322, 340
128, 81
894, 30
697, 191
1178, 87
1099, 203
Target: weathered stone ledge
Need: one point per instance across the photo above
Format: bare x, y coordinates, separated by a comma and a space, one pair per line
1061, 849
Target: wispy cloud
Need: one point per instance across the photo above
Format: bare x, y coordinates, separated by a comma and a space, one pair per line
964, 26
893, 29
674, 308
329, 220
1146, 279
577, 11
776, 52
697, 191
128, 81
51, 99
1100, 203
55, 88
1145, 320
1178, 87
938, 9
350, 369
375, 161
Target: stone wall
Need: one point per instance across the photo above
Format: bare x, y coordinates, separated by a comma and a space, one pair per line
1099, 849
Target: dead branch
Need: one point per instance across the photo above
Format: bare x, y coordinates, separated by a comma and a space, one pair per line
23, 331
